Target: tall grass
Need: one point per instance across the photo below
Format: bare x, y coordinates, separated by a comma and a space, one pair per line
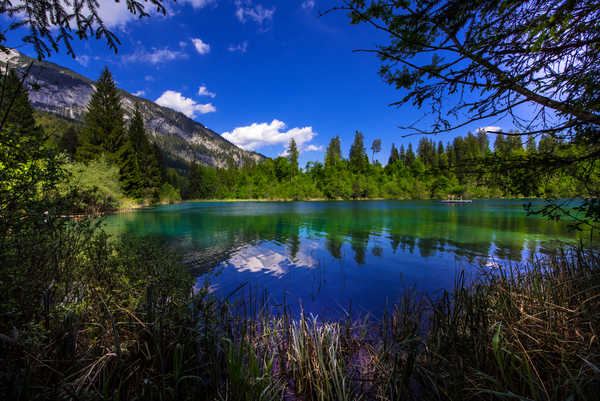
516, 334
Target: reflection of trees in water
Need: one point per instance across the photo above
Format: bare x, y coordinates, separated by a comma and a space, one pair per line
377, 251
359, 242
209, 236
294, 243
334, 246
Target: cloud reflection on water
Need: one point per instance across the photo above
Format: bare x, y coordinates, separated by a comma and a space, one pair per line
276, 262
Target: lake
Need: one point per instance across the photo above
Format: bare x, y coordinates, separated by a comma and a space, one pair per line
324, 256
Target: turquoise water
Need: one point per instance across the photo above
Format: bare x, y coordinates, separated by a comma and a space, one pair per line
325, 256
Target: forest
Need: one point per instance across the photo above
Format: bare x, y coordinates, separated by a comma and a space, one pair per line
121, 166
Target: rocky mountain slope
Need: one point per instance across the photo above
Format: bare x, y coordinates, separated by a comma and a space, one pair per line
63, 92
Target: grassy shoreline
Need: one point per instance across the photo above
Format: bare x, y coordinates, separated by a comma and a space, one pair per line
141, 333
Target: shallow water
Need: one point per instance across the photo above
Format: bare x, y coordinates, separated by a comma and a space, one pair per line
325, 256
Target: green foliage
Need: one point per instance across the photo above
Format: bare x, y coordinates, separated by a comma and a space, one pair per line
293, 154
101, 178
465, 167
141, 168
358, 160
168, 194
104, 128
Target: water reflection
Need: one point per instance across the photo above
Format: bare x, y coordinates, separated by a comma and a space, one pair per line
331, 253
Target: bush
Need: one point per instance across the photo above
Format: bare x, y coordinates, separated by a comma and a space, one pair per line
168, 194
99, 179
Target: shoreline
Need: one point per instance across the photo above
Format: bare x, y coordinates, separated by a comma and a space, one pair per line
284, 200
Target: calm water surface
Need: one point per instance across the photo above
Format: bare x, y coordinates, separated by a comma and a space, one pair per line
324, 255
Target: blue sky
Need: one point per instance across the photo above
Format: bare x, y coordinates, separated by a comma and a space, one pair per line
256, 71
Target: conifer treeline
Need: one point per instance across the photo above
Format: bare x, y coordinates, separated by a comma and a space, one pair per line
466, 167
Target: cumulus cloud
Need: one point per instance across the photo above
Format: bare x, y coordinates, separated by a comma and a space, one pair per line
245, 11
189, 107
115, 14
490, 129
258, 135
203, 91
139, 93
308, 4
201, 47
241, 47
154, 56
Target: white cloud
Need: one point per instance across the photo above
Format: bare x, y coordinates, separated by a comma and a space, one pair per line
201, 47
313, 148
139, 93
203, 91
259, 135
154, 56
241, 47
490, 129
182, 43
308, 4
246, 10
115, 14
189, 107
198, 3
83, 60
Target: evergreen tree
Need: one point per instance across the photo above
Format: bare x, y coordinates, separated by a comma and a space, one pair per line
69, 141
334, 152
145, 152
15, 107
530, 146
402, 154
394, 156
410, 157
500, 146
358, 156
484, 142
104, 126
293, 157
130, 170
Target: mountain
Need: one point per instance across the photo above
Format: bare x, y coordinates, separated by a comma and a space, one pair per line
61, 91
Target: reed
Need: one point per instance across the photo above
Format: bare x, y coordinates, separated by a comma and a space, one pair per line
131, 328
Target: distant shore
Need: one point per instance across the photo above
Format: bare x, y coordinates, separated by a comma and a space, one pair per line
282, 200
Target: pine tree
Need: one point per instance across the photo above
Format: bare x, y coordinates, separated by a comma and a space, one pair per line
69, 141
15, 108
531, 147
130, 172
500, 145
334, 152
146, 153
293, 157
410, 156
358, 156
394, 156
104, 126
